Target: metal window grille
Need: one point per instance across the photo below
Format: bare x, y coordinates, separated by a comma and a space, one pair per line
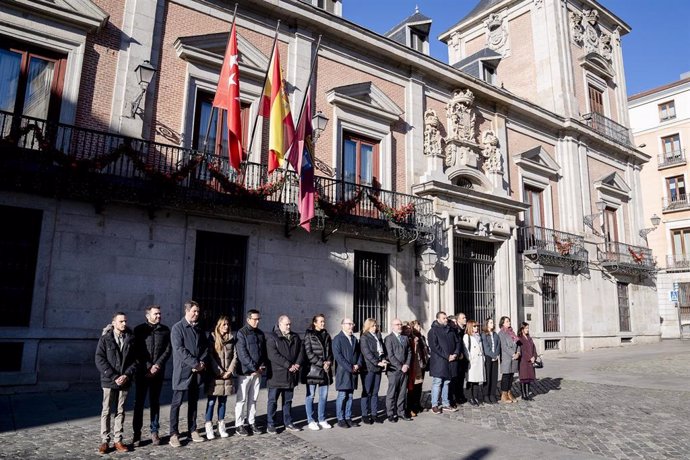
219, 277
623, 307
552, 344
549, 298
473, 263
371, 288
18, 257
684, 301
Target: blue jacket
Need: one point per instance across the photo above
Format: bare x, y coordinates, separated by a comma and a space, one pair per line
346, 356
251, 350
189, 348
486, 341
443, 342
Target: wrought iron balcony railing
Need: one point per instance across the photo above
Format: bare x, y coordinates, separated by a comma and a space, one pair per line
632, 258
668, 159
608, 128
675, 203
678, 262
140, 164
552, 242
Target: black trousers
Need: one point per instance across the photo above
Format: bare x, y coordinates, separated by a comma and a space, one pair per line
491, 382
192, 395
151, 387
506, 382
414, 398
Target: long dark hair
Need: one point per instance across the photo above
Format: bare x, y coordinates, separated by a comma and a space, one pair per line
523, 325
502, 321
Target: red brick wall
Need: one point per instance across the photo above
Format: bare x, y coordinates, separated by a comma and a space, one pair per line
98, 72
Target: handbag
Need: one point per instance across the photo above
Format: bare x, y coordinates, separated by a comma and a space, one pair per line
316, 372
538, 363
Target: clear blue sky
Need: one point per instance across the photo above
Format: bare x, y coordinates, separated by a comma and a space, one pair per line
656, 52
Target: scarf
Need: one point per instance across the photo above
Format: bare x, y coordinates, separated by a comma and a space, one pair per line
509, 331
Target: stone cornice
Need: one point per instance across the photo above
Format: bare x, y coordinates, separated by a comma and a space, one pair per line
453, 193
82, 14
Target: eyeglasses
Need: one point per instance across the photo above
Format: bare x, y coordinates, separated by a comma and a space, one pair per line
255, 319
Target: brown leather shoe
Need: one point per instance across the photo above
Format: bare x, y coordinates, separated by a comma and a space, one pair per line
121, 447
155, 440
103, 448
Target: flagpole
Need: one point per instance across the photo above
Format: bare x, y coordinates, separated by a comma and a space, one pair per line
299, 119
261, 101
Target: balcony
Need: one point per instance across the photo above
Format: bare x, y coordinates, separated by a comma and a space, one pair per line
670, 159
616, 257
678, 202
608, 128
59, 160
552, 247
678, 263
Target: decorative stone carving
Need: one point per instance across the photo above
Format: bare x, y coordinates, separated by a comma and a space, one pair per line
466, 223
605, 47
500, 228
455, 42
587, 32
432, 134
496, 32
493, 162
460, 116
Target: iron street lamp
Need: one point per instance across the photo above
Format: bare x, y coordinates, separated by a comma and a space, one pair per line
589, 220
318, 123
145, 72
656, 220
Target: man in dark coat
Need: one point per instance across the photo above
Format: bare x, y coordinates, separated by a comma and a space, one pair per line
348, 359
251, 364
190, 356
153, 349
444, 351
116, 363
457, 385
400, 358
285, 354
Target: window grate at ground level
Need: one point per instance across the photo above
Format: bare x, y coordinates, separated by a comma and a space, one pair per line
552, 344
11, 353
626, 339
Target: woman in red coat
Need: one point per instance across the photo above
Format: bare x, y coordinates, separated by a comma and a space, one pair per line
528, 354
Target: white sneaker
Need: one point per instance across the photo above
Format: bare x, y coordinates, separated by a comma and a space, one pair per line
222, 430
209, 431
314, 426
325, 425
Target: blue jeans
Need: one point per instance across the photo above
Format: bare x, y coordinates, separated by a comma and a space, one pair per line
371, 382
438, 383
221, 407
273, 394
309, 402
344, 396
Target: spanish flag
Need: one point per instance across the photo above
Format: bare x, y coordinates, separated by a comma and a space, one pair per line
281, 128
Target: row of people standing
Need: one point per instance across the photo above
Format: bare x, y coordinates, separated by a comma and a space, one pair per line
460, 352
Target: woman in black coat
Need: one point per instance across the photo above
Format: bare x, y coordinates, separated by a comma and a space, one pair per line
492, 352
318, 352
375, 362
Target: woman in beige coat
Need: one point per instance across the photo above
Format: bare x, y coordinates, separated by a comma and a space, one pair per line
221, 383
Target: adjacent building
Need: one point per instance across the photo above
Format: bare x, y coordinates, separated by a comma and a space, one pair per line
660, 121
502, 183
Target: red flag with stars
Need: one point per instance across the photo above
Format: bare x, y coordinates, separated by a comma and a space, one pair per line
228, 98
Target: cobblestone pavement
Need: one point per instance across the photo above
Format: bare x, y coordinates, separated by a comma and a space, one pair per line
577, 413
611, 421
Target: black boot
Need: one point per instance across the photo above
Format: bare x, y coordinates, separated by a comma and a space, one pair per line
473, 399
523, 391
480, 394
528, 390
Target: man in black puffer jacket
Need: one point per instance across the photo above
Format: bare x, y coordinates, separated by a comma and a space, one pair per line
153, 349
116, 363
